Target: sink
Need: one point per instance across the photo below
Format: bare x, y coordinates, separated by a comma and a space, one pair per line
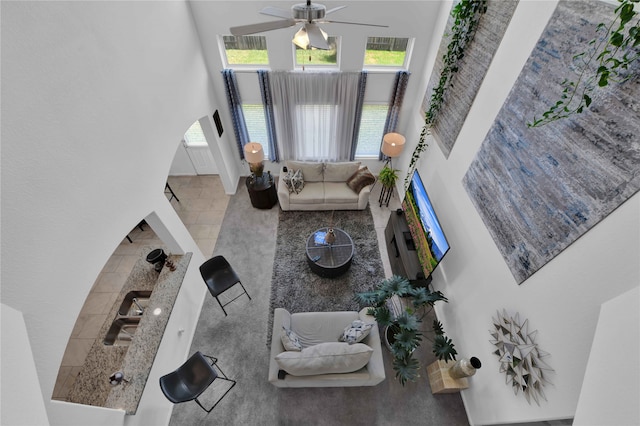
134, 303
122, 331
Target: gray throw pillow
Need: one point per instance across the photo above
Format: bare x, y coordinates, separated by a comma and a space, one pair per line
290, 340
356, 332
297, 181
286, 178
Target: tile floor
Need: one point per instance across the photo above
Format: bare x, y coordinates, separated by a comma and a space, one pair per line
202, 205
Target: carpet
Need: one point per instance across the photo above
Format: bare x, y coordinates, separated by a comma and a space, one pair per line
296, 288
539, 190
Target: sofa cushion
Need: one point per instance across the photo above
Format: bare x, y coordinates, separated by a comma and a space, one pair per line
290, 340
360, 179
314, 328
340, 172
356, 332
312, 172
313, 193
325, 358
338, 193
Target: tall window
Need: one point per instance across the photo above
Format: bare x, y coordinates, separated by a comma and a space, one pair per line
386, 52
245, 50
256, 125
371, 128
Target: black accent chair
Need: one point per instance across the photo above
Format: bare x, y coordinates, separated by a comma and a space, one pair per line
191, 379
220, 277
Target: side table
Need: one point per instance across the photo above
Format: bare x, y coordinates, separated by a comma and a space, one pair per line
440, 379
262, 191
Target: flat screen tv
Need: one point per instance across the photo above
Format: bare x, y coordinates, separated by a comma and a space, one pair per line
428, 238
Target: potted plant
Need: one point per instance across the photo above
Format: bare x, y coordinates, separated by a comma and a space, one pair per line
388, 177
400, 308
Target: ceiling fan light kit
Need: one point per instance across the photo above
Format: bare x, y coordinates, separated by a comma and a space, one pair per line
310, 35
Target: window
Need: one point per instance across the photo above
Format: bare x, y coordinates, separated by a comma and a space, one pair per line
245, 50
386, 52
318, 57
256, 125
371, 128
194, 135
317, 131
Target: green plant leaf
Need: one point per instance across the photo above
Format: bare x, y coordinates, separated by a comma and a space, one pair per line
407, 321
443, 348
407, 369
437, 327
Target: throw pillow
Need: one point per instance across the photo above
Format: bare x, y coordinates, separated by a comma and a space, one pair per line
287, 180
297, 181
325, 358
356, 332
360, 179
290, 340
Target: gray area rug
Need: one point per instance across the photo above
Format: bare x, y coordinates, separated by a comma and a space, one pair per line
238, 342
473, 68
539, 190
296, 288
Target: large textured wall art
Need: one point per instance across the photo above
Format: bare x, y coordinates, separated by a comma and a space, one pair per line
472, 69
538, 190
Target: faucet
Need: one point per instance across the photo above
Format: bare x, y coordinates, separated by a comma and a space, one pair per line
140, 309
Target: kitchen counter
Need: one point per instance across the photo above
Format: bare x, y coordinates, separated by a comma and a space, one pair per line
92, 385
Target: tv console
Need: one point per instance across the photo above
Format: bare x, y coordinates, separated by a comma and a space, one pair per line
401, 251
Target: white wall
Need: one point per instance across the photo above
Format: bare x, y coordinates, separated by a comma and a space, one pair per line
95, 97
613, 360
562, 300
20, 384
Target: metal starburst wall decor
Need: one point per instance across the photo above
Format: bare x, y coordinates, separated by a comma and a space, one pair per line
520, 357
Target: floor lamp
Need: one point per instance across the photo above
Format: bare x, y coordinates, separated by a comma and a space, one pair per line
392, 146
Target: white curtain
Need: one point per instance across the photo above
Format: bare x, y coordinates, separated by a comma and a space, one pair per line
315, 114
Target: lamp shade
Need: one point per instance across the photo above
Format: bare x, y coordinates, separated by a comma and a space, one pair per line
253, 152
393, 144
301, 39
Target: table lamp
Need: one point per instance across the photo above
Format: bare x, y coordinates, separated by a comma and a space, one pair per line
254, 154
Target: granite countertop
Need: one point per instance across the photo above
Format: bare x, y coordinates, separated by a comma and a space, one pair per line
92, 385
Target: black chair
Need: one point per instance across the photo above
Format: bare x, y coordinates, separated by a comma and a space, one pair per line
191, 379
220, 277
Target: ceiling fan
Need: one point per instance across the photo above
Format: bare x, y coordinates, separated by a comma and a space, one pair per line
310, 35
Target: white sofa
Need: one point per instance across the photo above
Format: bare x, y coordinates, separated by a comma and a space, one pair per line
327, 186
314, 328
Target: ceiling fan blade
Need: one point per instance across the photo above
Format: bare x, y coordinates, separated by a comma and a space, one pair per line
261, 27
335, 9
352, 23
275, 11
316, 38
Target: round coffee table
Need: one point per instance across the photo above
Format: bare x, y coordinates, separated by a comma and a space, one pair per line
329, 260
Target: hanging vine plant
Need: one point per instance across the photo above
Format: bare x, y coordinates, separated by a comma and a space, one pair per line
466, 17
607, 60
